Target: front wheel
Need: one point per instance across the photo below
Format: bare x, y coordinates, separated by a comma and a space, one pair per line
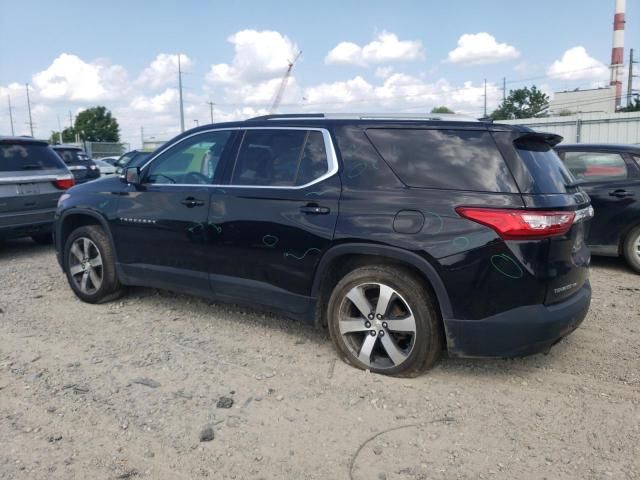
382, 319
631, 249
90, 265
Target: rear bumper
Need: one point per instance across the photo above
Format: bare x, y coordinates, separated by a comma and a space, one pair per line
24, 224
518, 332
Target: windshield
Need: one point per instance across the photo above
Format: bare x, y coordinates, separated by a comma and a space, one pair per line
71, 155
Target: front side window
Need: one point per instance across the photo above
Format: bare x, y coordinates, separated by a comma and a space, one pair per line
192, 161
596, 166
280, 158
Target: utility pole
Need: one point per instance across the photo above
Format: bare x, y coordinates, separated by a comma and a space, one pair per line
180, 90
59, 128
70, 120
141, 137
504, 89
211, 104
485, 98
10, 113
630, 81
197, 123
29, 108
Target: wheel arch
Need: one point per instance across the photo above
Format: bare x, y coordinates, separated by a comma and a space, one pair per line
73, 219
340, 259
625, 233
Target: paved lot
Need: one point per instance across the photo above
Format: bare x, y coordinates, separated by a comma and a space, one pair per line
123, 390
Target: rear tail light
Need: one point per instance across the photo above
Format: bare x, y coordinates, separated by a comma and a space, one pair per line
63, 183
520, 224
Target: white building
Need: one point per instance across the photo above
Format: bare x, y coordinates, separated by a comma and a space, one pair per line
595, 100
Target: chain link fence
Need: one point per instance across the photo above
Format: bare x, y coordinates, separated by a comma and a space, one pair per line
105, 149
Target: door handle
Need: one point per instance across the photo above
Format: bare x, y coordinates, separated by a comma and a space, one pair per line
191, 202
621, 193
314, 209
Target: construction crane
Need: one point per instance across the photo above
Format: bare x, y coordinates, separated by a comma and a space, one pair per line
283, 84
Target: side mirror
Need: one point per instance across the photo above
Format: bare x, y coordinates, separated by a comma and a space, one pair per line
132, 175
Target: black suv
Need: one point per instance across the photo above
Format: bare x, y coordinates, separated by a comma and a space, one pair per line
610, 174
83, 168
402, 235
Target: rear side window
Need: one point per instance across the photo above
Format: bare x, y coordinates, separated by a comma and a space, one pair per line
72, 155
444, 159
596, 166
280, 158
16, 157
547, 171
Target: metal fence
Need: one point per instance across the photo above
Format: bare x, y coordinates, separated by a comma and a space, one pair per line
588, 128
105, 149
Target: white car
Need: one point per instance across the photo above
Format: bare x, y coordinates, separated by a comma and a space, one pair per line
106, 169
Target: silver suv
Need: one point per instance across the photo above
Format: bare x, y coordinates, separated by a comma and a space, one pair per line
32, 178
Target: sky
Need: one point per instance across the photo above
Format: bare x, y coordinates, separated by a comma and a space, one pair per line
373, 56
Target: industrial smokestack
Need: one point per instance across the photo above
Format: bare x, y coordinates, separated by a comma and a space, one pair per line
617, 52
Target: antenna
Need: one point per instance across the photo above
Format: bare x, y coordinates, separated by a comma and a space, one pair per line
283, 84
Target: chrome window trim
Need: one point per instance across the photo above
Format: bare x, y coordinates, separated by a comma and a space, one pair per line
36, 179
332, 159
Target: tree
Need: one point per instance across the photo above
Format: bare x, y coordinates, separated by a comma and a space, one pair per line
95, 125
523, 103
442, 109
68, 136
633, 107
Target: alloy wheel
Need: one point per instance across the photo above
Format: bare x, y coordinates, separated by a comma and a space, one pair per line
85, 265
377, 325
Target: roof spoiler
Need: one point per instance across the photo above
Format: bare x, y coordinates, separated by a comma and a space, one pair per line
550, 139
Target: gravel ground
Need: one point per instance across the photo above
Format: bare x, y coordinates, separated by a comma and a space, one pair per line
129, 389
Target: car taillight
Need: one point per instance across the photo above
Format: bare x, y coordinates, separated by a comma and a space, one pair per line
520, 224
63, 183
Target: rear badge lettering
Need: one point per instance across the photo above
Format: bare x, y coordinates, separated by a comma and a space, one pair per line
565, 288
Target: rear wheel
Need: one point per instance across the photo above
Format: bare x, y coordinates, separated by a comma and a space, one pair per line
43, 238
90, 265
383, 319
631, 249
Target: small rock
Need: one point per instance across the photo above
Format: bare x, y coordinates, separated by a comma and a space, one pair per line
54, 438
51, 409
377, 450
382, 476
147, 382
206, 434
149, 454
279, 398
224, 402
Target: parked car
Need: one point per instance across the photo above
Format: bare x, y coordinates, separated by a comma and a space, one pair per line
402, 235
109, 160
32, 178
134, 157
106, 169
610, 174
83, 168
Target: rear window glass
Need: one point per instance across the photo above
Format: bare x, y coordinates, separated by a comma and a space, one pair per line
547, 170
16, 157
596, 166
72, 155
444, 159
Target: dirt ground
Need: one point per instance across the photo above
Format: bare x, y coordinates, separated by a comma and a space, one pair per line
124, 390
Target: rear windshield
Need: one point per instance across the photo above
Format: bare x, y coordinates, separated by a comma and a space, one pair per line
16, 157
72, 155
444, 159
548, 172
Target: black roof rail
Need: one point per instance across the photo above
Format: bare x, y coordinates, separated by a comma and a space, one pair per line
288, 115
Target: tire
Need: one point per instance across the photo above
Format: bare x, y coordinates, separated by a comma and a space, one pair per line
393, 350
89, 260
631, 248
43, 238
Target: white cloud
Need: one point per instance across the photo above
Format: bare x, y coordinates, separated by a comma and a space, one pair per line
386, 48
576, 64
156, 104
481, 48
164, 70
258, 56
71, 78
